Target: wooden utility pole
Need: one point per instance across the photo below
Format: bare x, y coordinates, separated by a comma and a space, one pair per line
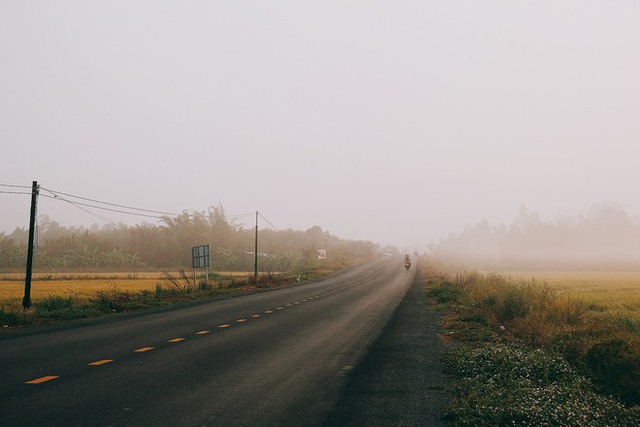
26, 301
255, 254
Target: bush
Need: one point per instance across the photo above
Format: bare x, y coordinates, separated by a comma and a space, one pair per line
113, 301
615, 367
445, 293
10, 318
57, 307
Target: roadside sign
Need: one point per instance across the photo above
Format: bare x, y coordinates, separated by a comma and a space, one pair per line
200, 257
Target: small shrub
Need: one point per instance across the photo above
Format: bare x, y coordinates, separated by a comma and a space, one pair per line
57, 307
9, 318
445, 293
113, 301
615, 368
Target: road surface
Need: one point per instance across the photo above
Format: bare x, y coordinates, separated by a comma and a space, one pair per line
272, 358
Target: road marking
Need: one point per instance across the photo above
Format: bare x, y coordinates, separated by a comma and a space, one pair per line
101, 362
289, 305
202, 332
255, 316
268, 312
279, 308
223, 326
177, 340
241, 320
143, 349
42, 379
297, 302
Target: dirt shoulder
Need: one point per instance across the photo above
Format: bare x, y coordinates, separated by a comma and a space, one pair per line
400, 382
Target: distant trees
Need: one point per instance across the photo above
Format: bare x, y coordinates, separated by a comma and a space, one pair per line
167, 245
605, 238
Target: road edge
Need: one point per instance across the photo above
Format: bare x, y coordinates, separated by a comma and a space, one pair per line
400, 380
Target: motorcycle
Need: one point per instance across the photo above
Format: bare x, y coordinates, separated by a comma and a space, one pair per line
407, 262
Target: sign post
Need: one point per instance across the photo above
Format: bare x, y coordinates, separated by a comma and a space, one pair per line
200, 258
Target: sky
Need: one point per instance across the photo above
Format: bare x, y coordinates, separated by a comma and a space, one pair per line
392, 121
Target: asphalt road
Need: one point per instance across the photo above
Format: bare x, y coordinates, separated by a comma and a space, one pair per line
273, 358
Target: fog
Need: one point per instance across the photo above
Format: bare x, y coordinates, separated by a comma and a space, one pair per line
397, 122
604, 238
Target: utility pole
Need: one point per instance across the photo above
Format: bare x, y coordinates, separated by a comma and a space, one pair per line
255, 254
26, 301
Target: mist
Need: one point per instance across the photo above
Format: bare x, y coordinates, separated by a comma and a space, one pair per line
604, 238
395, 122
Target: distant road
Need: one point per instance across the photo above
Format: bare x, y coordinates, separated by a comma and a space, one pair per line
272, 358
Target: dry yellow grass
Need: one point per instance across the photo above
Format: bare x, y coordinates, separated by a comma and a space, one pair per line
613, 291
81, 286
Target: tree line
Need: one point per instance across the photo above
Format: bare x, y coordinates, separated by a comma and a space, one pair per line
167, 246
605, 238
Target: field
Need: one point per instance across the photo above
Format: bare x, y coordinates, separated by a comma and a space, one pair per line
614, 292
542, 348
81, 286
87, 285
65, 296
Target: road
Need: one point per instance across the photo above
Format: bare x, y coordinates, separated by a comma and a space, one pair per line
272, 358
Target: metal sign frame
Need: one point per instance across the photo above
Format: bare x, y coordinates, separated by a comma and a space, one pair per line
200, 256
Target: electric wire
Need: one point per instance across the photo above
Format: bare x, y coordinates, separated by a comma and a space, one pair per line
14, 192
102, 217
131, 210
268, 222
15, 186
103, 208
112, 204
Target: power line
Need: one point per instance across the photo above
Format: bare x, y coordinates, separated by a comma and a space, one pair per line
102, 217
55, 197
14, 192
269, 222
15, 186
54, 192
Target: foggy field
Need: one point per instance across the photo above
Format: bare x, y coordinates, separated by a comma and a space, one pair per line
619, 291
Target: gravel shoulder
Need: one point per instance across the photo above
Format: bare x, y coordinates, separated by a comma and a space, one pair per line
400, 381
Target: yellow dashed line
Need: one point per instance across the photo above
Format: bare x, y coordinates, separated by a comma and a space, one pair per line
101, 362
42, 379
268, 311
297, 302
241, 320
255, 316
176, 340
143, 349
202, 332
223, 326
289, 305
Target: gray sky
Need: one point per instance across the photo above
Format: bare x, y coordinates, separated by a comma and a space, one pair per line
392, 121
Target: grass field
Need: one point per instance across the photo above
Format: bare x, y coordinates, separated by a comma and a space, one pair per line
82, 287
542, 348
605, 291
